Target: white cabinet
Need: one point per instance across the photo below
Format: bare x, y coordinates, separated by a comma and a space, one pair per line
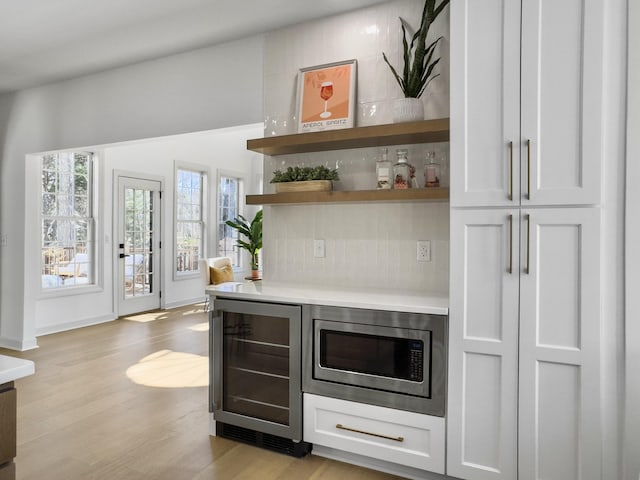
483, 333
524, 355
526, 147
407, 439
526, 102
559, 355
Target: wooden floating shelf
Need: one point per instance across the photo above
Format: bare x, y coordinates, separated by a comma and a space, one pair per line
409, 195
426, 131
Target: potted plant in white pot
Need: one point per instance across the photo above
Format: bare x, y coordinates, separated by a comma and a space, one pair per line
419, 64
253, 233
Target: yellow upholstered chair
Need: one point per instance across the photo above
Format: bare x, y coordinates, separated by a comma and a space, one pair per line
216, 270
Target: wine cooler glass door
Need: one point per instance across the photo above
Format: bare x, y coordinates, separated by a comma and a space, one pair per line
256, 366
259, 366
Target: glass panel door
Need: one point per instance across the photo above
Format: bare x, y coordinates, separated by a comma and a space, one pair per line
138, 249
256, 366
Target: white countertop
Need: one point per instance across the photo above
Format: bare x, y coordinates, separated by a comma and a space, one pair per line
12, 368
378, 299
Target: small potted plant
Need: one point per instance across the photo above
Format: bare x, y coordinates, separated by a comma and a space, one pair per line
253, 232
419, 64
301, 179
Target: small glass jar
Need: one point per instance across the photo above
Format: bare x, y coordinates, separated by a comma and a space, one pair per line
384, 171
401, 171
431, 171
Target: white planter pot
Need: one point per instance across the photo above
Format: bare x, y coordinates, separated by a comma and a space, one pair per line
407, 110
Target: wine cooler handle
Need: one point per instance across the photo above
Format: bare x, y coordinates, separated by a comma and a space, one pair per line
212, 405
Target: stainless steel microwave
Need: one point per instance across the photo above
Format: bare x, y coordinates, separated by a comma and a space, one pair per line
392, 359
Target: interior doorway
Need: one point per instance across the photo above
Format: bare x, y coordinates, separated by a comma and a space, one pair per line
138, 242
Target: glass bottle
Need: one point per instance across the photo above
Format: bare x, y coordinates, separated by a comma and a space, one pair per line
401, 171
431, 171
383, 171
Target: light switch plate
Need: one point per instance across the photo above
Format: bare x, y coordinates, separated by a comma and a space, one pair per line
318, 248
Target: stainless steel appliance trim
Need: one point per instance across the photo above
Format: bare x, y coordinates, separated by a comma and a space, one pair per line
211, 353
293, 313
437, 324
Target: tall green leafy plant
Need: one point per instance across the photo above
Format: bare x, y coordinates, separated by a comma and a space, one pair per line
253, 233
418, 57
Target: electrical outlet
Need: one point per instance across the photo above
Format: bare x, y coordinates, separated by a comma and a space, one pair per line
318, 248
423, 253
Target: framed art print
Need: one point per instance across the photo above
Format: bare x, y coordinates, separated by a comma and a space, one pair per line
326, 96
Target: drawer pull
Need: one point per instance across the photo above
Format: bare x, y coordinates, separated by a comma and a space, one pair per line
379, 435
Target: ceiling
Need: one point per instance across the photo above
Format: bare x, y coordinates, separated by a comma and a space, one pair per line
42, 41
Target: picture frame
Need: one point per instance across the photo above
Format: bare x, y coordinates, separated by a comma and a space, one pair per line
327, 96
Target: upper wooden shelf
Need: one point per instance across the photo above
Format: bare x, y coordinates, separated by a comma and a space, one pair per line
426, 131
340, 196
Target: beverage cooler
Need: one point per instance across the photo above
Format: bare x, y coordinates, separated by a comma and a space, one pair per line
254, 390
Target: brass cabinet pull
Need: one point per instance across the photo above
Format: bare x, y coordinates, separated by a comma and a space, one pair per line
528, 169
526, 269
510, 270
379, 435
510, 170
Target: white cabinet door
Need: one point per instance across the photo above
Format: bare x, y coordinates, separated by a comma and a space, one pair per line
562, 97
483, 333
526, 114
559, 387
485, 102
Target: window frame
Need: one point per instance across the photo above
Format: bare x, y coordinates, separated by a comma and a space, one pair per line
204, 201
93, 227
242, 261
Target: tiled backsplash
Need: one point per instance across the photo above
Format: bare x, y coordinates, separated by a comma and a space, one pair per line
367, 244
357, 167
362, 35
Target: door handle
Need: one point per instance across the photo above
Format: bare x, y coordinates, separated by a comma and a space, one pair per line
528, 169
526, 268
510, 170
510, 269
122, 255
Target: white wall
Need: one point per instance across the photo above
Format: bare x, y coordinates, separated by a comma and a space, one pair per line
367, 245
208, 151
200, 90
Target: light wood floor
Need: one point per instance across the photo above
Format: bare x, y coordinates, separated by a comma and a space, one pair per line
128, 400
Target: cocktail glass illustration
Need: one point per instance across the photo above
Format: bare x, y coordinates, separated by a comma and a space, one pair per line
326, 92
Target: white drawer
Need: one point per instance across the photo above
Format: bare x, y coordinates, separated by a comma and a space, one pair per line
406, 438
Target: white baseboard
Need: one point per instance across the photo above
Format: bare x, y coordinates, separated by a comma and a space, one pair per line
376, 464
18, 345
184, 303
63, 327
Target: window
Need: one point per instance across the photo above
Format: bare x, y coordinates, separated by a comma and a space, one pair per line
67, 220
189, 220
228, 209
